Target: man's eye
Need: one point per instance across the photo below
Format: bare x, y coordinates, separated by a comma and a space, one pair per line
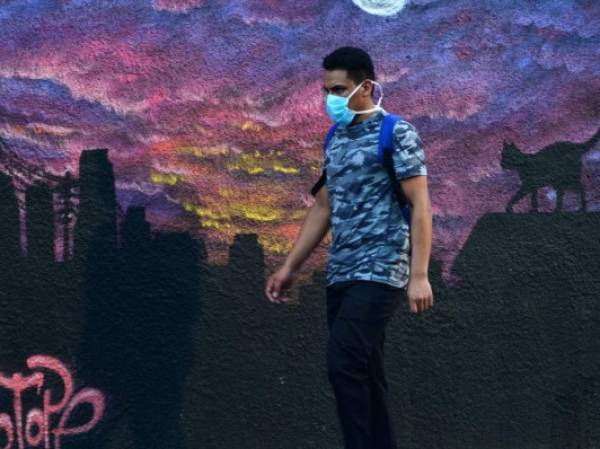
335, 90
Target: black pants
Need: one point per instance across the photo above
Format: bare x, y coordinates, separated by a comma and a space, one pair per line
357, 314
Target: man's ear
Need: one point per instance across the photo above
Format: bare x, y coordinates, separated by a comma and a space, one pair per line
365, 89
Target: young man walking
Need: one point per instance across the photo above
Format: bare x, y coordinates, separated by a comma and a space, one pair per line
374, 262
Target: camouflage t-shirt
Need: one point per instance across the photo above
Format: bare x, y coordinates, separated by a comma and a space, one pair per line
370, 238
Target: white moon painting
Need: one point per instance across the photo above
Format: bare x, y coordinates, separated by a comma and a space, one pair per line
381, 7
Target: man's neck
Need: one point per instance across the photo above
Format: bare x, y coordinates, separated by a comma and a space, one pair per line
361, 117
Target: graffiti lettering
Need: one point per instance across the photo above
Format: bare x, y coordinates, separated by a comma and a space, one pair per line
38, 426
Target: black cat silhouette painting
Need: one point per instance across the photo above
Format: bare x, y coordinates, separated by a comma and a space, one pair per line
557, 165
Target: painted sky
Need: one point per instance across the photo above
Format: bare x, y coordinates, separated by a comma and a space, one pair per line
213, 110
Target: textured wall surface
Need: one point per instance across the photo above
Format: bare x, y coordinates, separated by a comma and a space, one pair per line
155, 162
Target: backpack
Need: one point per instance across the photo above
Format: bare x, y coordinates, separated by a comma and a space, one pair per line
384, 155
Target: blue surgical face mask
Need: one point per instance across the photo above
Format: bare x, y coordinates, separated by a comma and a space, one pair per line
338, 110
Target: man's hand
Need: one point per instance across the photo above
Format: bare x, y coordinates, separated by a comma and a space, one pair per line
420, 296
279, 282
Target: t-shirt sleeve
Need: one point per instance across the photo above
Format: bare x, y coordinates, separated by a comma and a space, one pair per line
315, 188
408, 156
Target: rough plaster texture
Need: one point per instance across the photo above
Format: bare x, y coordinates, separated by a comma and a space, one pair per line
202, 125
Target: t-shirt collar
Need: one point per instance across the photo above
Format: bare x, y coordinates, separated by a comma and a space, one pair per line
361, 125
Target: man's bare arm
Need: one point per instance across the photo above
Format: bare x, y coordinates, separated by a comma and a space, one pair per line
315, 226
416, 192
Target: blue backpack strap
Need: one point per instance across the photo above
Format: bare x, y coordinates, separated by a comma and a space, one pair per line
386, 146
386, 134
329, 136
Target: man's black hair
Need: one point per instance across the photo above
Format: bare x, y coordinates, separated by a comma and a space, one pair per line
355, 60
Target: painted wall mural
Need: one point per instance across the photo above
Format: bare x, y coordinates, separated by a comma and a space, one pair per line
156, 158
38, 427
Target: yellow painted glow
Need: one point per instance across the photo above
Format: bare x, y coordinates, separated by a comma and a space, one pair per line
249, 125
214, 224
297, 214
164, 178
275, 245
202, 151
205, 212
256, 162
257, 212
282, 169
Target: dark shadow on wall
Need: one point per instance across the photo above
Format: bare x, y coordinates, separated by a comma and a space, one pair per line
141, 305
192, 355
259, 379
511, 357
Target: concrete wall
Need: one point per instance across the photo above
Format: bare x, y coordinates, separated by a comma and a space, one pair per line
132, 307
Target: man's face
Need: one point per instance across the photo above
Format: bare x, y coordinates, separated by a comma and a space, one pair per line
337, 82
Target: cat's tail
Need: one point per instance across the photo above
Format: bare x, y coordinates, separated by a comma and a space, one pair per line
592, 141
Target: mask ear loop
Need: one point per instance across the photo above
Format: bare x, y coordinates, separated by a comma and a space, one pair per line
355, 90
377, 106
